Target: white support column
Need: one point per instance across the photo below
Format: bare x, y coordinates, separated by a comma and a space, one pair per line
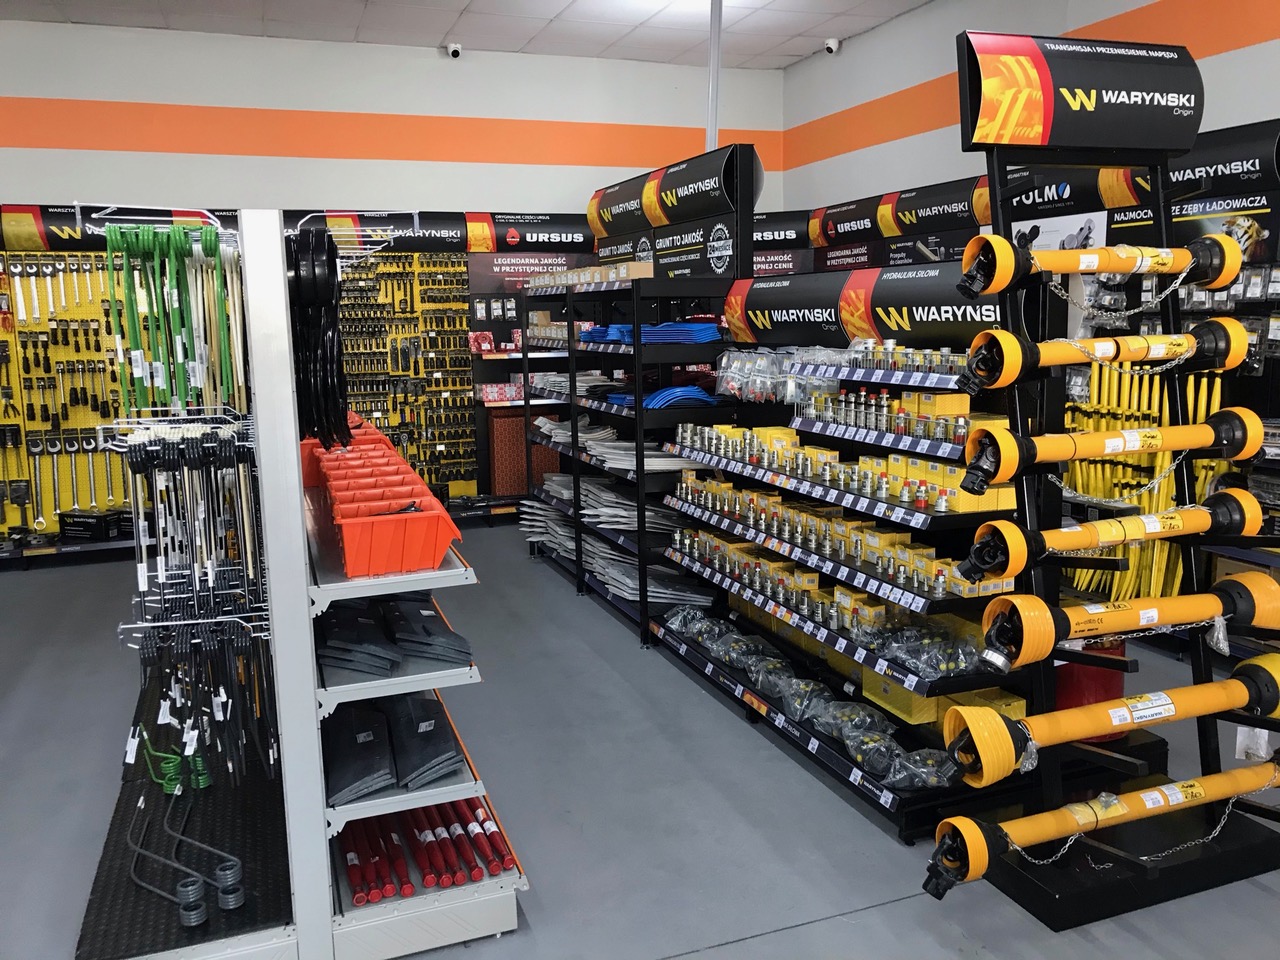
713, 75
288, 577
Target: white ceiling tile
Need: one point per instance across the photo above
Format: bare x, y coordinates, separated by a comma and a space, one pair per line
886, 8
778, 22
486, 26
326, 12
31, 10
213, 8
456, 6
769, 62
750, 4
519, 8
563, 48
796, 47
750, 44
829, 7
499, 44
849, 25
316, 30
610, 11
663, 38
399, 38
389, 15
639, 53
204, 23
144, 5
581, 31
697, 57
694, 16
108, 14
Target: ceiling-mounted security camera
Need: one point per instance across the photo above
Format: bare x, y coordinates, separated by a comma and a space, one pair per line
832, 45
455, 50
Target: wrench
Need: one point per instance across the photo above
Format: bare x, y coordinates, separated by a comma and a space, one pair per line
32, 270
89, 445
104, 409
106, 458
73, 267
15, 269
35, 447
61, 267
53, 447
71, 446
46, 269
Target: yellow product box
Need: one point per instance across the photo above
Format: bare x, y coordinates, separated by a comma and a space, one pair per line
804, 579
910, 402
924, 564
826, 511
778, 438
821, 455
911, 552
690, 477
962, 587
1006, 496
980, 418
871, 612
877, 465
918, 469
732, 432
961, 501
774, 567
884, 538
897, 465
1005, 703
989, 586
897, 699
844, 597
944, 404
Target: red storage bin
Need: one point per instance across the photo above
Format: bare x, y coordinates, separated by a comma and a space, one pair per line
375, 541
373, 483
384, 473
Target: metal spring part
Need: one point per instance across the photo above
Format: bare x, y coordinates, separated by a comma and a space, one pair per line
189, 890
228, 872
231, 897
192, 914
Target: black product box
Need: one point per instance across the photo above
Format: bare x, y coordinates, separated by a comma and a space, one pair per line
84, 526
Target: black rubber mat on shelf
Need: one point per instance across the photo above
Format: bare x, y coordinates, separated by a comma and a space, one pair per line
123, 920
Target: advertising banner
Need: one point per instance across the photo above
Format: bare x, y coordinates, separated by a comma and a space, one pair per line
844, 224
855, 256
408, 231
912, 305
72, 228
1230, 162
491, 232
1072, 94
954, 205
771, 263
781, 230
626, 248
704, 248
495, 272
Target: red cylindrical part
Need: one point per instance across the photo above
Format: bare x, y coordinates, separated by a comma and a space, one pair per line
418, 849
1077, 685
428, 838
478, 839
446, 845
494, 834
460, 842
394, 845
354, 879
379, 857
366, 861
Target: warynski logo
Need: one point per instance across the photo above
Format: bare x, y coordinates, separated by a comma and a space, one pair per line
1088, 99
765, 319
911, 216
672, 197
1047, 194
1233, 168
901, 318
607, 213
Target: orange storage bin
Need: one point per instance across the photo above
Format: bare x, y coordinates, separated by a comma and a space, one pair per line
336, 487
404, 491
384, 473
375, 542
312, 453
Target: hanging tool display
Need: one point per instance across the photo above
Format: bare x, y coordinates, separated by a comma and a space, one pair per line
405, 322
992, 264
311, 259
1022, 628
987, 747
966, 847
998, 454
1002, 548
998, 358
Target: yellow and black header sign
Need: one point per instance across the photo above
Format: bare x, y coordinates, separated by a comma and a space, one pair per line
1095, 96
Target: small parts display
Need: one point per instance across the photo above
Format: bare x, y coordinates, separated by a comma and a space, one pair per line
311, 262
1022, 629
992, 264
405, 325
449, 844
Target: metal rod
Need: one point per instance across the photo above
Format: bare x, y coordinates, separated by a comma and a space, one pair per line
713, 76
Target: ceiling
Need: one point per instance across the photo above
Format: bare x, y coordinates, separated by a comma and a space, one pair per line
758, 34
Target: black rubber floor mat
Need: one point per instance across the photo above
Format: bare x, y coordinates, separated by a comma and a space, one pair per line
123, 920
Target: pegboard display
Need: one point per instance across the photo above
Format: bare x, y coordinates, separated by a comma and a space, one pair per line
404, 320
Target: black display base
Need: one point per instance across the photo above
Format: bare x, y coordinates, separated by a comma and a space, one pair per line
123, 920
1073, 891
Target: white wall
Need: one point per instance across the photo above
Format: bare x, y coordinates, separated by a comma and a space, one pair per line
920, 46
154, 66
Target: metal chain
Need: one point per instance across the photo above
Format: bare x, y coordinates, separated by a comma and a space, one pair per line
1092, 311
1154, 631
1048, 860
1144, 371
1107, 501
1231, 804
1099, 551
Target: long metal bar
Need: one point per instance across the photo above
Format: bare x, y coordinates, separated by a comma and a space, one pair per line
713, 75
637, 370
575, 463
284, 536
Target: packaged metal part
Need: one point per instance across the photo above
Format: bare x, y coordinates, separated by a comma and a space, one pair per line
874, 752
768, 674
839, 718
740, 648
920, 770
684, 619
801, 699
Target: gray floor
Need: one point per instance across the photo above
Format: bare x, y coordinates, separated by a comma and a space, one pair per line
652, 820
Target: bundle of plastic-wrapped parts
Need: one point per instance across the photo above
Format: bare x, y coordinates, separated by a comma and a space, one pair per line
930, 652
864, 730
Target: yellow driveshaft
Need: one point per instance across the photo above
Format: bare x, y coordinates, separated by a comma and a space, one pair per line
1022, 628
1004, 549
966, 847
987, 746
992, 264
998, 454
998, 358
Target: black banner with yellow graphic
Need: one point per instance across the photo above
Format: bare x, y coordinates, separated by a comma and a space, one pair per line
618, 209
1093, 96
912, 305
1229, 162
407, 231
626, 248
80, 228
550, 232
845, 223
704, 248
781, 230
954, 205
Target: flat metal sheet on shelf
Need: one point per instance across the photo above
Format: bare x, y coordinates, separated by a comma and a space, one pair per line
332, 583
458, 785
411, 675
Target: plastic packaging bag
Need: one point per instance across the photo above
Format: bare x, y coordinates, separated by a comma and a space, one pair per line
685, 619
837, 718
801, 699
741, 648
768, 674
874, 752
920, 770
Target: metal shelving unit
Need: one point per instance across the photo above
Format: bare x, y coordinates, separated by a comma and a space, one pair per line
884, 378
305, 575
890, 442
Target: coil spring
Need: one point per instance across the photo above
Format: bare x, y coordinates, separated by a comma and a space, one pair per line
231, 896
228, 872
171, 773
192, 914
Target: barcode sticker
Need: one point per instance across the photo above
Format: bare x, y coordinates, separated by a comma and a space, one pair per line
860, 655
131, 749
364, 736
426, 726
813, 744
737, 691
709, 668
164, 711
841, 644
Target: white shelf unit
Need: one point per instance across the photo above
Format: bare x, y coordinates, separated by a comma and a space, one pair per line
305, 575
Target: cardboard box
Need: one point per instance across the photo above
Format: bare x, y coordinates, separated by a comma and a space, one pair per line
897, 699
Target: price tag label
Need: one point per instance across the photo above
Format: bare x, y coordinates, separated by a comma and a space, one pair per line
917, 520
861, 505
880, 509
846, 500
859, 579
841, 644
917, 604
708, 669
931, 380
826, 566
737, 691
855, 776
886, 798
778, 720
683, 648
898, 514
860, 654
881, 666
895, 595
813, 744
911, 681
877, 376
897, 377
810, 627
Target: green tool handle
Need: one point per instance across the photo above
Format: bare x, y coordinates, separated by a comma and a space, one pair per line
180, 315
209, 245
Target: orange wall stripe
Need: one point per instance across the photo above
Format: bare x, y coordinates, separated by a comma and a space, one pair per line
56, 124
1203, 28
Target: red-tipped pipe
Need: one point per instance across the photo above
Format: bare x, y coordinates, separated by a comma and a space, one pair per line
354, 879
366, 861
494, 834
459, 836
478, 839
418, 849
429, 841
394, 845
380, 859
446, 845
